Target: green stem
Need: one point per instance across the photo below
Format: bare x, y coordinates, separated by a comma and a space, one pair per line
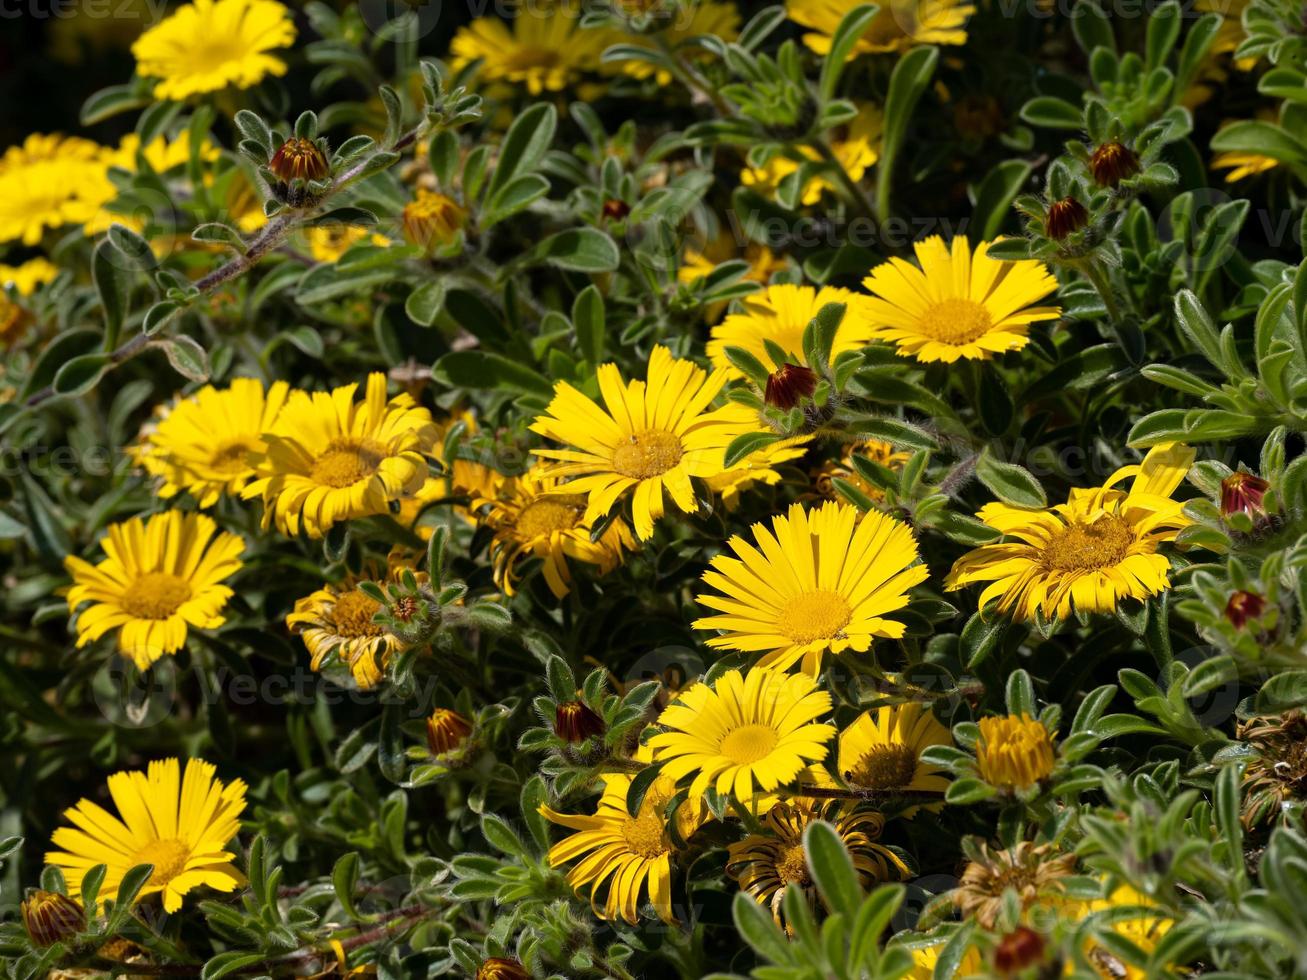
1102, 283
857, 196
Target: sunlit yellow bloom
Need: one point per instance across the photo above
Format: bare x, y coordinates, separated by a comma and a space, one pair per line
530, 518
432, 221
327, 243
625, 850
692, 19
924, 959
697, 262
180, 824
780, 314
208, 45
900, 24
336, 625
819, 580
759, 466
329, 458
205, 443
27, 277
857, 151
1144, 931
768, 865
158, 577
466, 475
882, 750
162, 154
48, 182
1014, 751
745, 734
1241, 165
958, 303
545, 48
1090, 553
654, 437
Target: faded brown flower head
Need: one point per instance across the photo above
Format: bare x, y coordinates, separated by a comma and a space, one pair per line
446, 731
1112, 163
1064, 217
299, 159
1018, 950
790, 385
1276, 772
1033, 871
50, 917
575, 721
1242, 607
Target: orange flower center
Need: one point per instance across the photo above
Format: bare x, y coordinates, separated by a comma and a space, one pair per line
817, 615
648, 454
156, 595
646, 835
352, 615
346, 462
956, 321
1086, 547
231, 457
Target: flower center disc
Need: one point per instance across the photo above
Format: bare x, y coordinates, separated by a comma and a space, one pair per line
346, 463
644, 834
791, 865
648, 454
156, 595
819, 615
168, 856
352, 615
231, 457
748, 744
956, 321
884, 767
1085, 547
545, 515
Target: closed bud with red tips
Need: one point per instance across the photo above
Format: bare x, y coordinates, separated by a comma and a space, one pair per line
1064, 217
1244, 606
446, 731
790, 385
50, 917
299, 159
1112, 163
575, 721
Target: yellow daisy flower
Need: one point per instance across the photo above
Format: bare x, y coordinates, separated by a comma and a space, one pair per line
857, 151
692, 19
820, 580
699, 262
1144, 931
1090, 553
746, 734
767, 865
327, 243
329, 458
901, 24
1241, 165
758, 467
958, 304
163, 154
924, 959
545, 49
159, 577
27, 277
206, 443
623, 849
882, 749
209, 45
530, 518
780, 314
48, 182
181, 824
336, 625
654, 436
1014, 752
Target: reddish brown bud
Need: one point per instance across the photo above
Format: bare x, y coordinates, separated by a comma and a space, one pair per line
1242, 493
1064, 217
1112, 163
790, 385
575, 721
446, 731
1018, 950
502, 968
1242, 607
49, 917
615, 210
299, 159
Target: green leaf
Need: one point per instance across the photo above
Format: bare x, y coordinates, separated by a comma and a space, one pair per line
134, 250
501, 836
217, 233
639, 788
81, 374
743, 445
911, 75
344, 879
760, 931
579, 250
850, 29
524, 146
1262, 138
1052, 113
186, 356
253, 128
831, 867
514, 197
1284, 691
485, 370
980, 637
113, 286
112, 101
534, 795
225, 964
588, 322
425, 303
1009, 482
390, 743
994, 196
